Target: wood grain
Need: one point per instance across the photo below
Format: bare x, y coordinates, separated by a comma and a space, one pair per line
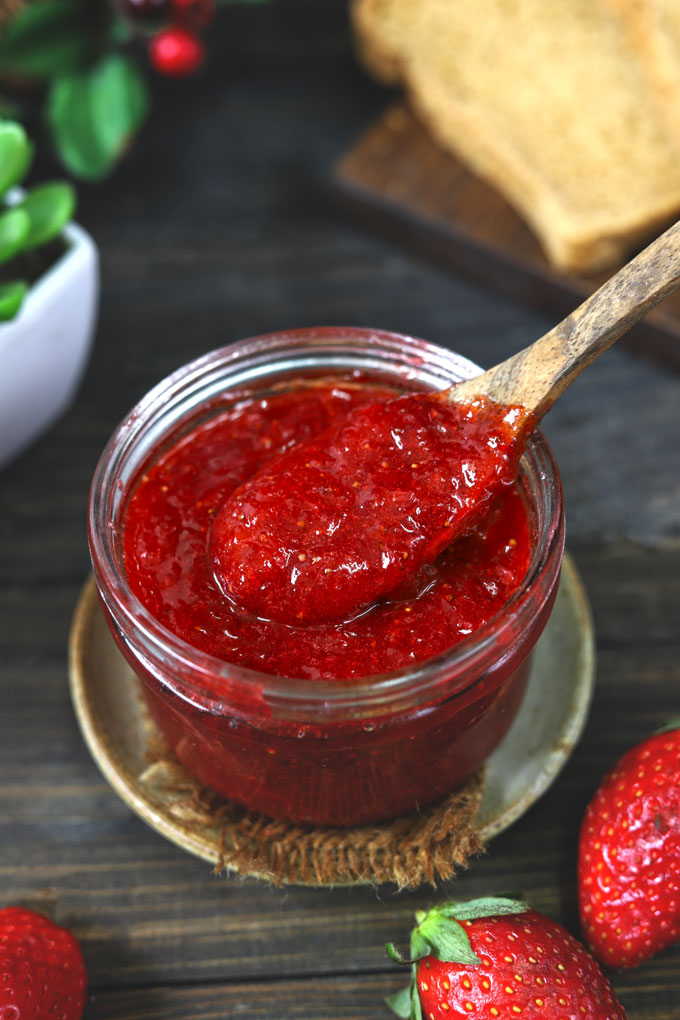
326, 999
149, 915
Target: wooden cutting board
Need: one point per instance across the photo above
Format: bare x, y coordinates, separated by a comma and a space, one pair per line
396, 180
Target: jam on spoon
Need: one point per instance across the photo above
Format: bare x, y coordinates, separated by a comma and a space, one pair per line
349, 517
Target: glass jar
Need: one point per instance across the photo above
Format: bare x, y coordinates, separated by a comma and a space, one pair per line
321, 752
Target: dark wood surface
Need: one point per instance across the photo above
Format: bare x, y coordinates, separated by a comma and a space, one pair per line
220, 225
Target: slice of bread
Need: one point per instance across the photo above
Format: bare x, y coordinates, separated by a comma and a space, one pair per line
654, 33
548, 102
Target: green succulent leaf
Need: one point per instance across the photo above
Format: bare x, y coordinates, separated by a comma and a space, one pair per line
45, 38
93, 115
49, 207
15, 226
12, 295
16, 153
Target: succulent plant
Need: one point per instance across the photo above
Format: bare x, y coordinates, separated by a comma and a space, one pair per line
28, 220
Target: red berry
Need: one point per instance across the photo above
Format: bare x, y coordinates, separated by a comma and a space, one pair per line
629, 855
146, 13
496, 959
176, 51
41, 967
193, 13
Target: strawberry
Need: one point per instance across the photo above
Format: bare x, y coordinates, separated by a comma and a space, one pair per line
629, 854
496, 959
42, 974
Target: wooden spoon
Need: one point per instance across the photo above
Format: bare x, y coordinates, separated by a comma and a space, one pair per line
350, 517
538, 375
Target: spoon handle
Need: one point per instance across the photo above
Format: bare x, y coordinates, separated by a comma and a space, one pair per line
536, 376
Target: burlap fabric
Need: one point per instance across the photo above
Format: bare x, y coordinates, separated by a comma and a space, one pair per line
422, 848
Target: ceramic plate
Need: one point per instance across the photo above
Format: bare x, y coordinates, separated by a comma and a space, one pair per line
120, 733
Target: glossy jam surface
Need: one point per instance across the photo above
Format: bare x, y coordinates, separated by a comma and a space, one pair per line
351, 516
170, 529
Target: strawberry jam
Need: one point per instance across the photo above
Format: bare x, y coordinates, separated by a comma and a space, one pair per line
171, 518
350, 517
337, 721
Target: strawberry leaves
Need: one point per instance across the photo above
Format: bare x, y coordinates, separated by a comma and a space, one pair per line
668, 727
406, 1002
440, 932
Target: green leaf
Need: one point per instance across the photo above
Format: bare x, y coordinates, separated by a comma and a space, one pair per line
440, 927
49, 207
487, 906
119, 102
406, 1003
416, 1006
15, 226
93, 115
74, 133
15, 154
394, 953
420, 947
400, 1003
45, 38
448, 940
12, 295
672, 724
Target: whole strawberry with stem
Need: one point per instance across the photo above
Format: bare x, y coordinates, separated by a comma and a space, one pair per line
42, 974
629, 854
496, 959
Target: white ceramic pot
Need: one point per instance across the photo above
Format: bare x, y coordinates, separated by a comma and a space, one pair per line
44, 350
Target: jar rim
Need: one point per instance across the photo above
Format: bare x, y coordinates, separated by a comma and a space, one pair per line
197, 381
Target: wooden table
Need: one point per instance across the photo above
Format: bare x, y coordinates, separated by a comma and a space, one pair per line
221, 225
